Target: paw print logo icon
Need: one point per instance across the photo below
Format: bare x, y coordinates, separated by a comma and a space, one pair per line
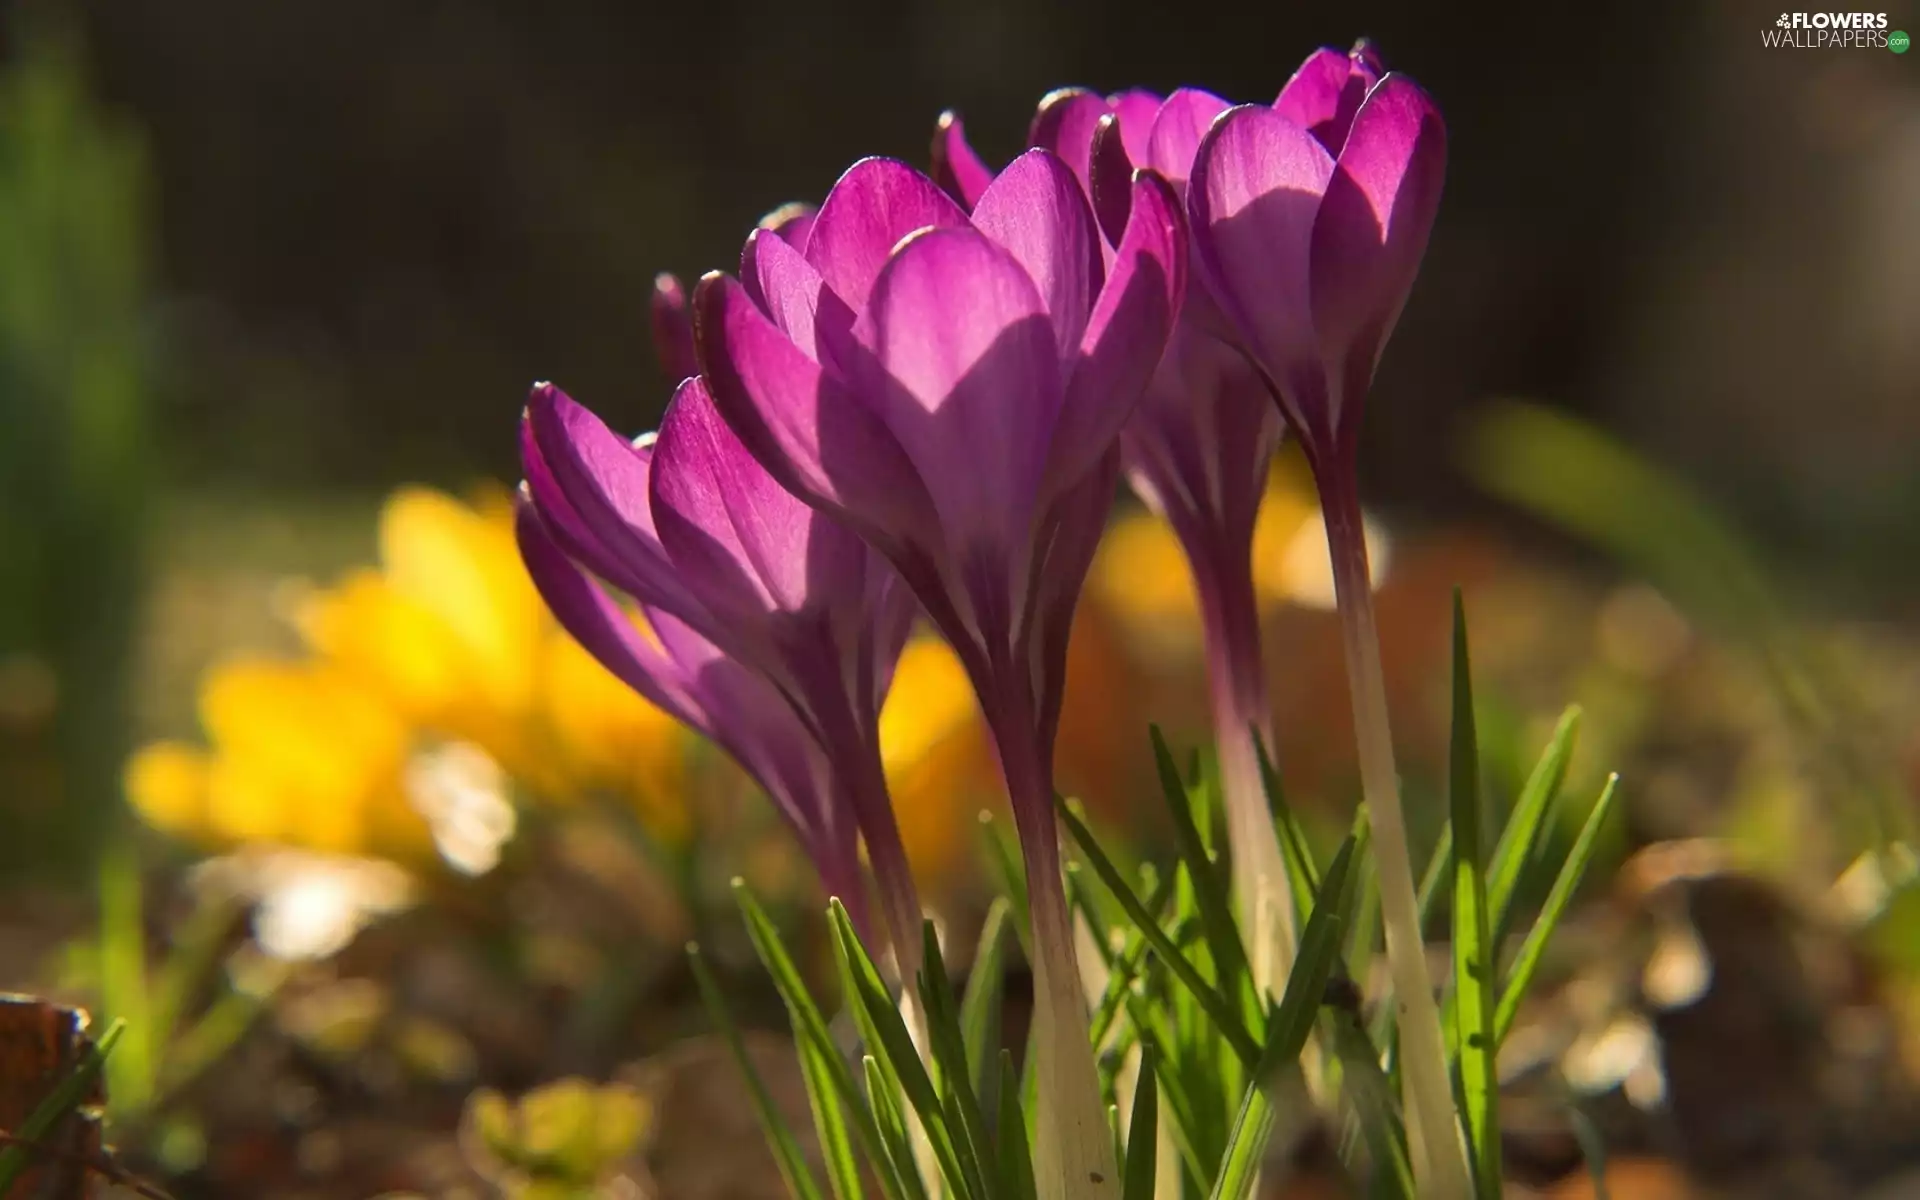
1784, 21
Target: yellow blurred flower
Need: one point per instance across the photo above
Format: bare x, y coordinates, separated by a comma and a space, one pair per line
438, 683
451, 629
302, 755
939, 764
434, 680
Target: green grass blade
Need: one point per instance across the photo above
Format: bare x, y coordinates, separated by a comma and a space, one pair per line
1131, 957
1003, 862
892, 1125
959, 1101
830, 1123
980, 1004
1016, 1180
1291, 1025
794, 1171
1215, 1005
66, 1096
1210, 884
809, 1026
1137, 1177
1246, 1146
1527, 961
885, 1034
1474, 954
1371, 1095
133, 1072
1306, 990
1520, 839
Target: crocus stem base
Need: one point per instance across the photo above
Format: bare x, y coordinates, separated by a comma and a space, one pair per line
1439, 1162
1073, 1149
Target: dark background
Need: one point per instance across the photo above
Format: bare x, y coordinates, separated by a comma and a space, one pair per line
377, 222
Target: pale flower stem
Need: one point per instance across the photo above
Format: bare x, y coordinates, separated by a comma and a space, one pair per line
1439, 1161
1231, 616
1073, 1150
1259, 873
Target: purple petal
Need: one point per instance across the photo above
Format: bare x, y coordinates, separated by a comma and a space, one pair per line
1111, 186
1037, 211
800, 423
1257, 184
603, 479
792, 222
743, 543
962, 367
591, 618
954, 165
1177, 130
1065, 123
1136, 108
563, 523
875, 204
1198, 448
1325, 92
791, 291
1373, 225
1070, 538
672, 328
1124, 339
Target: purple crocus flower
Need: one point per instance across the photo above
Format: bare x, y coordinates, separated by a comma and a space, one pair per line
688, 677
672, 328
742, 581
1197, 451
952, 387
1309, 221
1310, 218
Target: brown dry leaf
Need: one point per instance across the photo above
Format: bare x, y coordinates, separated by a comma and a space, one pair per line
39, 1044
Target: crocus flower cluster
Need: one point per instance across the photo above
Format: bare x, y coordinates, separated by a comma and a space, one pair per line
929, 388
774, 630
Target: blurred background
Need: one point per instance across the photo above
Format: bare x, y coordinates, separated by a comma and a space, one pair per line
274, 280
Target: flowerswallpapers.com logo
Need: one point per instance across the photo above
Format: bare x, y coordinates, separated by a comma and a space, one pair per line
1833, 30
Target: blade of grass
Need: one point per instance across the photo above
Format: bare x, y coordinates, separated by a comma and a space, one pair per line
1015, 1160
892, 1124
1290, 1026
794, 1171
1132, 955
954, 1075
808, 1024
1521, 836
1371, 1095
1003, 861
133, 1073
980, 1004
829, 1123
1474, 957
1213, 1002
1143, 1130
1527, 961
886, 1037
1210, 885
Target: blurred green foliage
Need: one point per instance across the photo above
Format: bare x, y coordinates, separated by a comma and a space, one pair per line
74, 448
